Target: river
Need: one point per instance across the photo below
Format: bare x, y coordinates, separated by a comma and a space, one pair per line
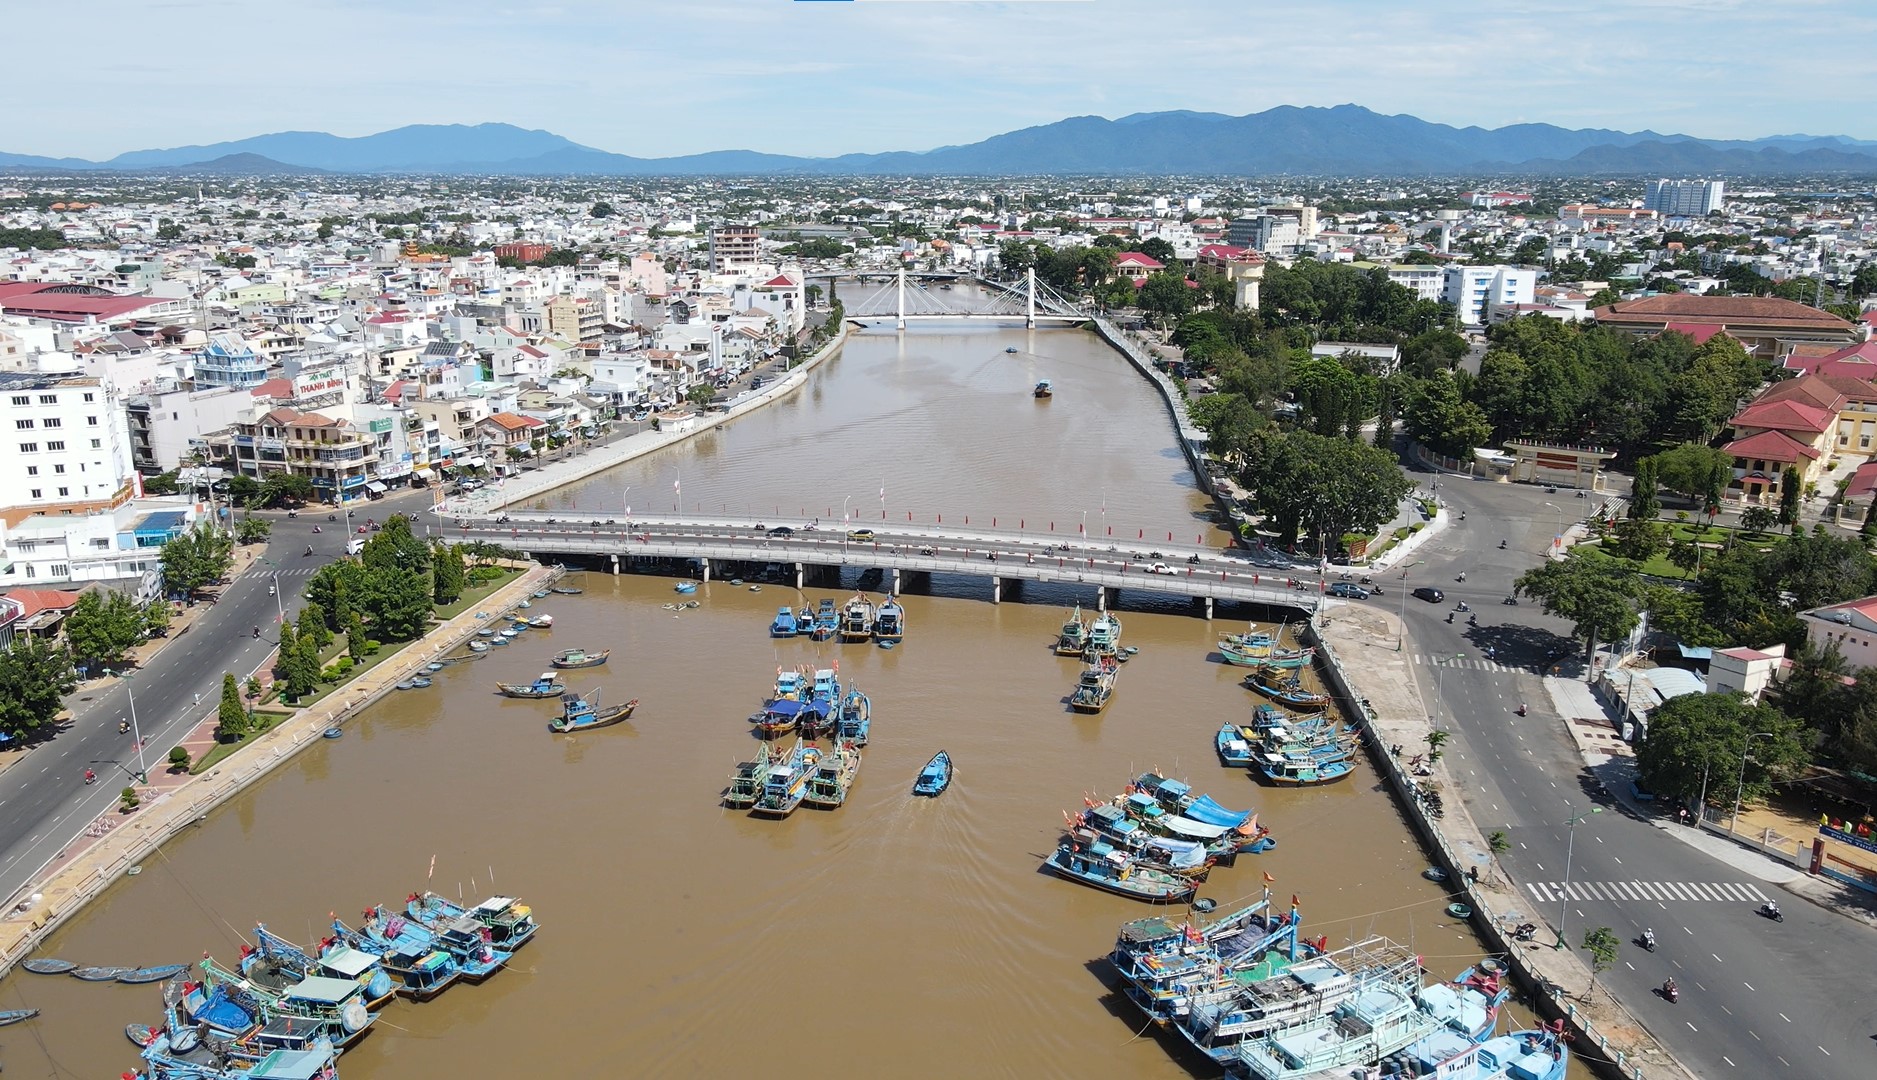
892, 937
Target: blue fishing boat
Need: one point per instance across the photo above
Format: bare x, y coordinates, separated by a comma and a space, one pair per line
1043, 390
1101, 865
545, 685
833, 777
1163, 963
1234, 750
469, 942
787, 782
1072, 639
1104, 637
746, 783
784, 624
224, 1008
1289, 770
935, 777
889, 623
1253, 656
685, 587
1285, 690
336, 1007
410, 956
511, 923
857, 619
581, 712
580, 658
1095, 686
856, 720
827, 622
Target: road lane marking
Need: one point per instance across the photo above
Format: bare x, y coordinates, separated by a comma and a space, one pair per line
1748, 985
1824, 1051
1717, 959
1786, 1018
1729, 1060
1757, 894
1691, 1026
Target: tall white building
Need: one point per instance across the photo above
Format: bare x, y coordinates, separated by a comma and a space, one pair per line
1684, 198
68, 450
1475, 291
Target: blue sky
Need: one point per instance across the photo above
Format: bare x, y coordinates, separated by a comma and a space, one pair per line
661, 77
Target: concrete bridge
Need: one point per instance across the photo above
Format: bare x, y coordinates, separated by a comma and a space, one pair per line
1204, 574
1034, 303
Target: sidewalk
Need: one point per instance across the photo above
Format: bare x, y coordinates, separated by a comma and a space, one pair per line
1362, 642
171, 801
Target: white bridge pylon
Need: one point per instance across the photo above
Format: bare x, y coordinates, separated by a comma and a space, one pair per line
911, 299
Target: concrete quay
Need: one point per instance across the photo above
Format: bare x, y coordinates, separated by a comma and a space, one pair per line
1364, 658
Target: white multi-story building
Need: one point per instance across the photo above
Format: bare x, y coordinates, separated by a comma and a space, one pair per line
69, 446
1684, 198
1475, 291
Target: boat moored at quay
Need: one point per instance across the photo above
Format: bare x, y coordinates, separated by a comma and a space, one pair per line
889, 622
827, 622
833, 777
1072, 639
784, 624
511, 923
857, 619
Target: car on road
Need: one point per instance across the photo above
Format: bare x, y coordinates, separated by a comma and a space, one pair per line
781, 530
1161, 568
862, 535
1429, 594
1348, 591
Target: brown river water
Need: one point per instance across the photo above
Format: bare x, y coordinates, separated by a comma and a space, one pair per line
892, 937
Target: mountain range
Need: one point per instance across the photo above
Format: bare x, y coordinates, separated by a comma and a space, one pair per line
1287, 140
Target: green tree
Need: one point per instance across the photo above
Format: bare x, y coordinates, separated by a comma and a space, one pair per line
1165, 294
156, 616
1640, 539
1158, 249
1686, 555
1602, 945
284, 489
308, 662
231, 716
1437, 416
197, 558
1643, 504
1704, 737
160, 484
1332, 486
1601, 600
1757, 519
1016, 256
312, 624
102, 627
355, 637
252, 530
601, 210
35, 675
398, 601
1690, 469
1868, 531
1790, 490
448, 573
333, 588
178, 759
168, 230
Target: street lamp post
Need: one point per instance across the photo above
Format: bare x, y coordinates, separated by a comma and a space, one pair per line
135, 731
1740, 788
1564, 905
280, 610
1557, 538
1402, 619
1439, 663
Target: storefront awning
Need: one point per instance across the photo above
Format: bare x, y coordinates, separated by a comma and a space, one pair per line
423, 473
375, 486
476, 462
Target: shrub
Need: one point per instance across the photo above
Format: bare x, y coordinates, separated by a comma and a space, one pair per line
128, 797
179, 759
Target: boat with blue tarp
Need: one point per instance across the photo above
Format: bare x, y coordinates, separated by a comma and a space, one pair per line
335, 1007
468, 941
784, 624
889, 623
511, 923
787, 782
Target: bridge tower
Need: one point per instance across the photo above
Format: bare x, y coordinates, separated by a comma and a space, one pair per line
1029, 305
902, 298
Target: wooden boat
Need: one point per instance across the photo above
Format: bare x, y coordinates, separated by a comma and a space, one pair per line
1234, 749
1073, 637
827, 622
317, 1005
152, 974
546, 685
566, 590
787, 782
14, 1016
419, 970
685, 587
511, 923
1104, 636
1095, 687
935, 777
49, 966
889, 623
1290, 770
419, 682
834, 775
746, 783
857, 619
1253, 656
542, 594
856, 720
580, 658
99, 974
279, 963
1043, 390
578, 714
1101, 865
784, 624
1285, 691
462, 659
466, 940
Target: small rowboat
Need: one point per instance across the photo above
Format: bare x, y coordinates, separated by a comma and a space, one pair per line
14, 1016
332, 733
565, 591
141, 1034
487, 631
479, 646
541, 594
580, 658
433, 666
48, 966
404, 685
1459, 910
99, 974
498, 641
153, 974
541, 622
420, 681
935, 777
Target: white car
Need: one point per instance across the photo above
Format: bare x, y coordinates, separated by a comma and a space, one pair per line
1161, 568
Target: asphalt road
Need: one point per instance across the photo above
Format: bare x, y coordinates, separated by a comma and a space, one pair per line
44, 801
1758, 998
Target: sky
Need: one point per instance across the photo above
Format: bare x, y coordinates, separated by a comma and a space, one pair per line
654, 78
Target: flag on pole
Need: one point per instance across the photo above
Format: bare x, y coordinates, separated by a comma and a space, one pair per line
433, 868
1268, 879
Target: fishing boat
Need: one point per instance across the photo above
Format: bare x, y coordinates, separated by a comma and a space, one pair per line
546, 685
784, 624
1290, 770
1286, 691
336, 1006
511, 923
889, 623
1104, 636
566, 590
1163, 962
856, 720
222, 1008
857, 619
935, 777
14, 1016
827, 622
746, 783
1073, 638
152, 974
278, 961
580, 714
686, 587
833, 776
1043, 390
1254, 656
49, 966
1234, 749
1010, 349
1095, 687
1101, 865
580, 658
420, 970
787, 782
467, 941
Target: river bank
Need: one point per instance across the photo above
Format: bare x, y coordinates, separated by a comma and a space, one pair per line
89, 866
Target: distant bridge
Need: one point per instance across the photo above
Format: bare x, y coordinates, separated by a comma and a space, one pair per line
906, 298
1182, 570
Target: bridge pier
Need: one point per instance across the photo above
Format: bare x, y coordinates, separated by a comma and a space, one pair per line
901, 324
1101, 598
615, 564
997, 590
706, 565
798, 577
895, 581
1029, 305
1208, 609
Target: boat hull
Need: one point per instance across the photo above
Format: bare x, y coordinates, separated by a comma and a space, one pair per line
607, 717
529, 693
570, 662
1155, 893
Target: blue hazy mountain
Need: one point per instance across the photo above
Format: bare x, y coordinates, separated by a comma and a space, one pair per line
1294, 140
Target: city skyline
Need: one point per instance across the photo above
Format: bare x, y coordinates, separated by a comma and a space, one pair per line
823, 79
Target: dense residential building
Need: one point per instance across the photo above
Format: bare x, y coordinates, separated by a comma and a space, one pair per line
1684, 198
70, 452
227, 360
1850, 627
734, 247
1475, 291
166, 424
335, 455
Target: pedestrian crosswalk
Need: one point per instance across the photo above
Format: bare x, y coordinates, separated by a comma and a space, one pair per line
1477, 663
1551, 892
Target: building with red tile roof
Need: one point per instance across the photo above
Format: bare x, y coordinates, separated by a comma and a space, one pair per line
1851, 627
86, 305
41, 611
1768, 326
